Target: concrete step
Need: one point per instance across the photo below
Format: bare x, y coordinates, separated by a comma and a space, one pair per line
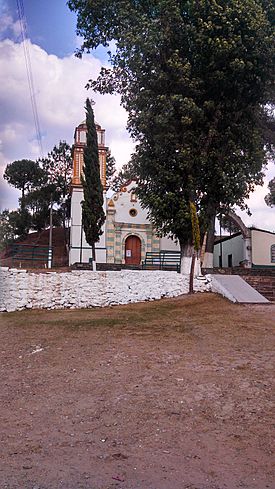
237, 290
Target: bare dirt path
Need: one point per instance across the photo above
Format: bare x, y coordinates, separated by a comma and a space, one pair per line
173, 394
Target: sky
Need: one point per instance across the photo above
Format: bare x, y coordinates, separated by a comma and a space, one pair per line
59, 83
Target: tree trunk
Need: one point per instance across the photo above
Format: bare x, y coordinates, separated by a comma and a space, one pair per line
186, 250
191, 277
23, 199
210, 239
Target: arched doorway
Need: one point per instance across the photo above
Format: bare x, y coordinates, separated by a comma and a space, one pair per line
132, 250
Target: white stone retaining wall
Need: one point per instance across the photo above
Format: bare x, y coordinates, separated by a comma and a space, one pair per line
20, 289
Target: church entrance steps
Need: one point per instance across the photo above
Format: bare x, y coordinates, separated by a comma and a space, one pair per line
265, 285
237, 289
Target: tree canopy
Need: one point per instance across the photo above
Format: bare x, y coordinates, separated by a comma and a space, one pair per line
110, 169
270, 197
196, 79
41, 182
24, 175
58, 166
125, 174
38, 203
14, 225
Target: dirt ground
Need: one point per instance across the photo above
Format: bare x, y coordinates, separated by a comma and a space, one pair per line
173, 394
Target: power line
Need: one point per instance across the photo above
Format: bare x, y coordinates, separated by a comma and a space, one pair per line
23, 26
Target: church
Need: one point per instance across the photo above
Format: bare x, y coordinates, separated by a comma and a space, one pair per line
127, 232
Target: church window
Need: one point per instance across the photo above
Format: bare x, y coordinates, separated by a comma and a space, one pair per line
133, 212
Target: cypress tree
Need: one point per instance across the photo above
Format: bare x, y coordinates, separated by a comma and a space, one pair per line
93, 216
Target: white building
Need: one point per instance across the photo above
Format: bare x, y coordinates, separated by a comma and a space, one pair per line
257, 247
127, 233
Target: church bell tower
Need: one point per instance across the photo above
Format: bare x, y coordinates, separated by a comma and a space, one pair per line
80, 137
80, 250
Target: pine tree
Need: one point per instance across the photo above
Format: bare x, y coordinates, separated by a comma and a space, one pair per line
58, 166
93, 216
24, 175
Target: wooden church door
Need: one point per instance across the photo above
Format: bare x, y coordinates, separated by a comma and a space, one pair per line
132, 250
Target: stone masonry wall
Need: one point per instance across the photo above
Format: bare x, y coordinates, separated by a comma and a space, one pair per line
20, 289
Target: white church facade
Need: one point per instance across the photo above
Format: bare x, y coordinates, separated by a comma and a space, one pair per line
127, 232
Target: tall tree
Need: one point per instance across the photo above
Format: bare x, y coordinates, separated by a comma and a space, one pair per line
93, 216
42, 183
195, 77
14, 225
58, 167
24, 175
7, 232
38, 202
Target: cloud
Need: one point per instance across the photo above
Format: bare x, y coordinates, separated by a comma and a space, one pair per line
8, 26
60, 98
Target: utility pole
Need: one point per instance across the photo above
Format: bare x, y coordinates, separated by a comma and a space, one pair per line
221, 260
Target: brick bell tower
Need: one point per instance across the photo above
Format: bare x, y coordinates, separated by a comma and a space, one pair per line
80, 251
80, 136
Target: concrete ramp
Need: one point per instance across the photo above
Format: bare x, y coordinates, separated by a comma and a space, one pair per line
234, 288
